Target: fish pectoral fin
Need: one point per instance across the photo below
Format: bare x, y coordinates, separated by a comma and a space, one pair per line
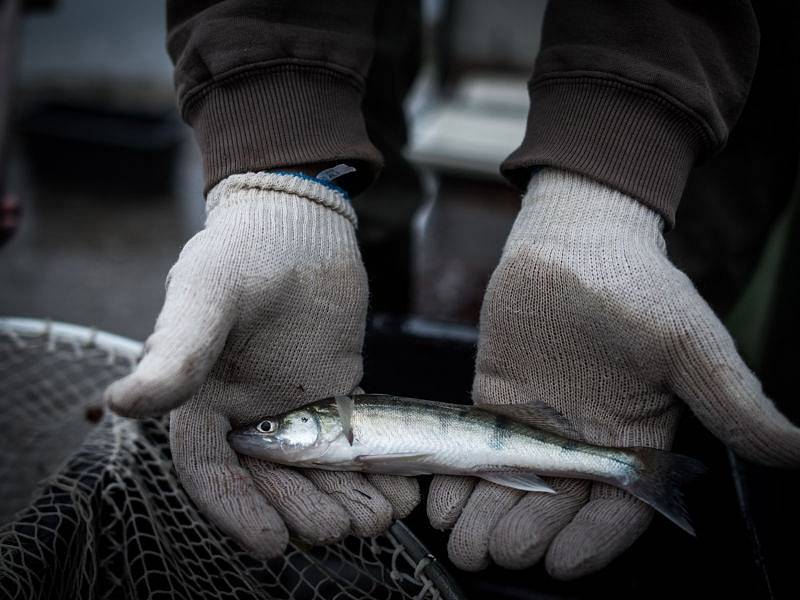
344, 406
393, 464
528, 482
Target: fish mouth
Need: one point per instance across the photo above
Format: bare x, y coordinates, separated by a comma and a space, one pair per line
251, 443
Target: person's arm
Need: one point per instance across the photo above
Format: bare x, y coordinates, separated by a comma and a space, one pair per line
585, 310
271, 84
632, 94
265, 308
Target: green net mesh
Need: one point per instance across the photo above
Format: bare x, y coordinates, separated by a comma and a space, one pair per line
91, 507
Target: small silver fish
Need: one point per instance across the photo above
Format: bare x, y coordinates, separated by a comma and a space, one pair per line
509, 445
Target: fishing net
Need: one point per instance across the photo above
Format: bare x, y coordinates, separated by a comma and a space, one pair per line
91, 508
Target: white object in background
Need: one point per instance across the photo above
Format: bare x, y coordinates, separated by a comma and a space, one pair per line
475, 129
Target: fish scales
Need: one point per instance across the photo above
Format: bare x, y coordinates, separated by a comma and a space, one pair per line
466, 443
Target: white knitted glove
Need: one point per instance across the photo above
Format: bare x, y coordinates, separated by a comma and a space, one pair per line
586, 312
265, 310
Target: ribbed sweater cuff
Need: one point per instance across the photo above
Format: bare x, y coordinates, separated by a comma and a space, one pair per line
281, 116
628, 138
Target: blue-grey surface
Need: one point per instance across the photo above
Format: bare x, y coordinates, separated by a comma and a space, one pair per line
110, 47
93, 258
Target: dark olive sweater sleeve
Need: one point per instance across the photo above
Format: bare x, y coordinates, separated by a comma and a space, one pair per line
268, 83
633, 93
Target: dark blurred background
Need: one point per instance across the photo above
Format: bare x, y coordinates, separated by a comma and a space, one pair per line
101, 186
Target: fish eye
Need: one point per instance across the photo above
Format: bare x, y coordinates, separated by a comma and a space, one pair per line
266, 426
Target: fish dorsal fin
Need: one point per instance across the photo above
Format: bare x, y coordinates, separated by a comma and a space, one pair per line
528, 482
536, 414
394, 464
344, 405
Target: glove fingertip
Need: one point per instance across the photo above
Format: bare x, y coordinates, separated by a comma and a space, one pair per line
402, 493
567, 560
776, 444
136, 397
247, 518
268, 541
375, 520
369, 511
602, 530
333, 530
572, 556
405, 504
447, 497
464, 555
155, 387
312, 517
123, 398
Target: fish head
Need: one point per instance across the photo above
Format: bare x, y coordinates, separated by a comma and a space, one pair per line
278, 439
299, 436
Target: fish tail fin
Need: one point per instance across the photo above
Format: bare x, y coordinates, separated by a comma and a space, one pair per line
660, 482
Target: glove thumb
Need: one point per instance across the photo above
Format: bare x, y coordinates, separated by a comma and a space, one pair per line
728, 399
189, 335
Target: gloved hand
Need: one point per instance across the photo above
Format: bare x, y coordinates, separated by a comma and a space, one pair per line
585, 312
265, 310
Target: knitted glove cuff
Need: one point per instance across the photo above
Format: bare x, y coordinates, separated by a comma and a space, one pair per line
563, 201
298, 185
